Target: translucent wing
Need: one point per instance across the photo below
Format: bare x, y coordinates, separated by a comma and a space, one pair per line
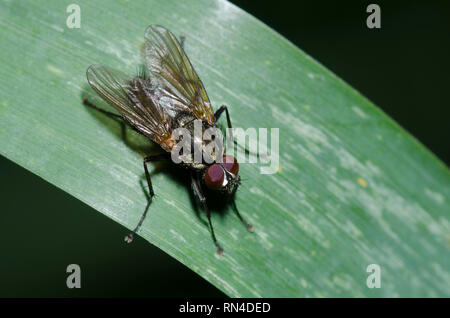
135, 100
178, 83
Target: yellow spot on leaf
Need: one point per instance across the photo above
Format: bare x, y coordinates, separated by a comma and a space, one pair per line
362, 182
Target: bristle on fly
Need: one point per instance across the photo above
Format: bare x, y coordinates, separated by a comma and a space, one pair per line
142, 72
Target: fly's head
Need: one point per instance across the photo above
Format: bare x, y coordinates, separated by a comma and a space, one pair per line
223, 176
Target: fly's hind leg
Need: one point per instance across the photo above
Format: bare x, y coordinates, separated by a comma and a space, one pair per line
114, 116
87, 102
198, 193
129, 237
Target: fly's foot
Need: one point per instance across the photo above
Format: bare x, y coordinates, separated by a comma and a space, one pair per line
219, 249
129, 238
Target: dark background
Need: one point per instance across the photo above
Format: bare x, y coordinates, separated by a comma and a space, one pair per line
402, 67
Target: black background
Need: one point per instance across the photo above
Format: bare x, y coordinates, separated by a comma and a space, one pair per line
403, 68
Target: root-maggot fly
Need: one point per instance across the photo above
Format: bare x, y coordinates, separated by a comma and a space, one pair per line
166, 96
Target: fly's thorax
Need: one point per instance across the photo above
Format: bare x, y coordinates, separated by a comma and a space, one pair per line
206, 142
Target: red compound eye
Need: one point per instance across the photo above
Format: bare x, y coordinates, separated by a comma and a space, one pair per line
214, 176
230, 163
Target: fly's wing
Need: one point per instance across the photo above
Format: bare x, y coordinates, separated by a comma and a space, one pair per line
133, 98
177, 82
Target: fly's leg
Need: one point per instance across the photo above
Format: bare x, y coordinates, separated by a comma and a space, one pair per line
129, 237
110, 114
219, 112
114, 116
198, 193
247, 225
217, 116
88, 103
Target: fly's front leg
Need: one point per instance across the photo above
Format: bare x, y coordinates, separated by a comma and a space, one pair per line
129, 237
219, 112
217, 116
247, 225
198, 193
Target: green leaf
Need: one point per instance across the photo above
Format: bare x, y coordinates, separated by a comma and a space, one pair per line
353, 188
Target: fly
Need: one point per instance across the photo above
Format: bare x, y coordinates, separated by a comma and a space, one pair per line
168, 95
